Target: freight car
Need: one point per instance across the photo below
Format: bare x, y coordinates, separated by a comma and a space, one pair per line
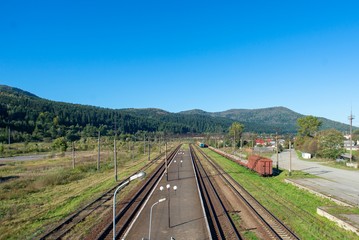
259, 164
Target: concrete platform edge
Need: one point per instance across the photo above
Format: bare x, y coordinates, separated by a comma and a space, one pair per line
341, 203
339, 222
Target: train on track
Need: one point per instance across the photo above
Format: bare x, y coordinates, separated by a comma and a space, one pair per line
259, 164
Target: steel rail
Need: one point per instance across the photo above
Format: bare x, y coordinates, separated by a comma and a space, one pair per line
276, 228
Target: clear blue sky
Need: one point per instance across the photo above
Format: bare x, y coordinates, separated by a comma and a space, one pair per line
181, 55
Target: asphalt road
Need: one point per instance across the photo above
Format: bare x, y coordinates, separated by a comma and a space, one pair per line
339, 183
33, 157
24, 158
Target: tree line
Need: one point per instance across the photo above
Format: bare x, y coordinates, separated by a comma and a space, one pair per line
327, 143
29, 118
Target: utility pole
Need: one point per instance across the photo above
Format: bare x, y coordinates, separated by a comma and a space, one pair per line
276, 143
132, 147
115, 152
234, 141
160, 142
166, 159
99, 151
351, 117
73, 155
9, 136
144, 144
241, 146
149, 150
290, 158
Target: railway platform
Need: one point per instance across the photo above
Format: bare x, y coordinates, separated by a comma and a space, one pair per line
181, 215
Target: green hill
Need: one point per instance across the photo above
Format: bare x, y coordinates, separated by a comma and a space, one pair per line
33, 118
268, 120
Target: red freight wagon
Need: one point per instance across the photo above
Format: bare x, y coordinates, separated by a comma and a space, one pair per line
261, 165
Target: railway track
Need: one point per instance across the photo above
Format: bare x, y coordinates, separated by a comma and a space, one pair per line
129, 208
102, 203
274, 227
301, 214
220, 223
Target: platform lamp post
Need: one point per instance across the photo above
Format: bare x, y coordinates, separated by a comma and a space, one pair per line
149, 230
168, 187
133, 177
177, 168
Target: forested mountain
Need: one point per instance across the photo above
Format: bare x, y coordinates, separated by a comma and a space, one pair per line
274, 119
30, 118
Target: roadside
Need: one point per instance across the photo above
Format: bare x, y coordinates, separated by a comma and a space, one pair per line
332, 182
26, 157
340, 183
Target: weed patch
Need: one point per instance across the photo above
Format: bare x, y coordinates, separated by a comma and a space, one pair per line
46, 191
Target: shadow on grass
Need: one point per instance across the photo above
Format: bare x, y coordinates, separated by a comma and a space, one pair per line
5, 179
277, 172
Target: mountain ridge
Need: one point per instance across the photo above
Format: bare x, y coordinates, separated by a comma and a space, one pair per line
34, 116
273, 115
18, 91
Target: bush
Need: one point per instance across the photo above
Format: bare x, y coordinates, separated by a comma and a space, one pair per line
58, 178
60, 144
330, 144
1, 148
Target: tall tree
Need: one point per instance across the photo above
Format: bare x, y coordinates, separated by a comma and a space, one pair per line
235, 131
330, 144
356, 135
308, 126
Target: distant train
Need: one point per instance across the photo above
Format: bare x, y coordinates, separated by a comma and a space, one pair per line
202, 145
259, 164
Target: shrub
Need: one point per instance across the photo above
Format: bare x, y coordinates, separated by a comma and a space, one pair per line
60, 144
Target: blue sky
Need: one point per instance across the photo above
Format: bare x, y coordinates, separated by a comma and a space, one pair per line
181, 55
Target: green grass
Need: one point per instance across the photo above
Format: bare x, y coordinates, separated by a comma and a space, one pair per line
297, 208
339, 165
24, 148
44, 192
248, 235
342, 210
54, 199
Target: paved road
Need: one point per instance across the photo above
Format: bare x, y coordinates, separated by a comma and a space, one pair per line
24, 158
339, 183
33, 157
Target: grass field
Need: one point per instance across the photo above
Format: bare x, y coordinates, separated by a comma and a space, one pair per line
37, 194
297, 208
